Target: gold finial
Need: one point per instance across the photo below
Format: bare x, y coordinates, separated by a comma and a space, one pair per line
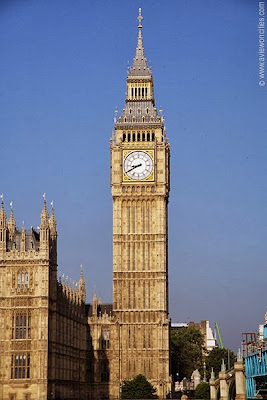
160, 110
140, 18
140, 26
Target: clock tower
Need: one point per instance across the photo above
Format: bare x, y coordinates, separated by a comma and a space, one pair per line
140, 189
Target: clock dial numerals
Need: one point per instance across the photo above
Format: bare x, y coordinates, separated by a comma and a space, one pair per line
138, 165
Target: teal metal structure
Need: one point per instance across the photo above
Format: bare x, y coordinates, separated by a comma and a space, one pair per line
256, 368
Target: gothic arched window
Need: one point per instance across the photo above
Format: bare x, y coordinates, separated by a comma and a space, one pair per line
23, 280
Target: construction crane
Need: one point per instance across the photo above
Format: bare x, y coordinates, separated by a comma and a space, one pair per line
219, 335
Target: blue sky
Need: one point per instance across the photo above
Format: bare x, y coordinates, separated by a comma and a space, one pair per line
63, 72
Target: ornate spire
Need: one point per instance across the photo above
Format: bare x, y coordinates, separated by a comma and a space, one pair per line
139, 111
139, 67
95, 304
2, 209
52, 221
44, 214
11, 222
82, 286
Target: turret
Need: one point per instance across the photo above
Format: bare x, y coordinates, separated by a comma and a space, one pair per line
44, 227
3, 227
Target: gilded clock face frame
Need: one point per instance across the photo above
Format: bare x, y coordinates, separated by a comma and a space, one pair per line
138, 166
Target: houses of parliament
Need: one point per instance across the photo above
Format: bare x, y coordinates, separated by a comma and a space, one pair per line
53, 344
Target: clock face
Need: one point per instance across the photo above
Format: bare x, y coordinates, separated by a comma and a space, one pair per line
138, 165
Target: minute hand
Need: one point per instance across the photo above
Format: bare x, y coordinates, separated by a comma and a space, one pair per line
135, 166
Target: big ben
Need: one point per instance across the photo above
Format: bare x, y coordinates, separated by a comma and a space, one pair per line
140, 184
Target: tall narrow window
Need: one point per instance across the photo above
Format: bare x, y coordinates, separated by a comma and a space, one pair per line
129, 257
144, 256
20, 366
134, 344
148, 256
21, 325
148, 294
104, 371
143, 219
129, 294
144, 295
133, 294
129, 219
133, 256
133, 218
148, 218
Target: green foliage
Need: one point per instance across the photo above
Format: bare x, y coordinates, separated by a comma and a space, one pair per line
215, 357
202, 391
186, 351
138, 388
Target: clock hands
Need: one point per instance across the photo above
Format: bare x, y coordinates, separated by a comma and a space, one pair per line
135, 166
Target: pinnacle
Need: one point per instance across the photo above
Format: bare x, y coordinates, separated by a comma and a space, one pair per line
44, 213
2, 209
52, 220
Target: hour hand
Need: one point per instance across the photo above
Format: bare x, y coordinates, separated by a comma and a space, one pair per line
135, 166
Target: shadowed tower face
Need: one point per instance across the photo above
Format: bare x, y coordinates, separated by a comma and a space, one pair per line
140, 191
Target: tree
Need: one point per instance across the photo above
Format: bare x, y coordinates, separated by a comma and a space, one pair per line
202, 391
215, 357
187, 346
138, 388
